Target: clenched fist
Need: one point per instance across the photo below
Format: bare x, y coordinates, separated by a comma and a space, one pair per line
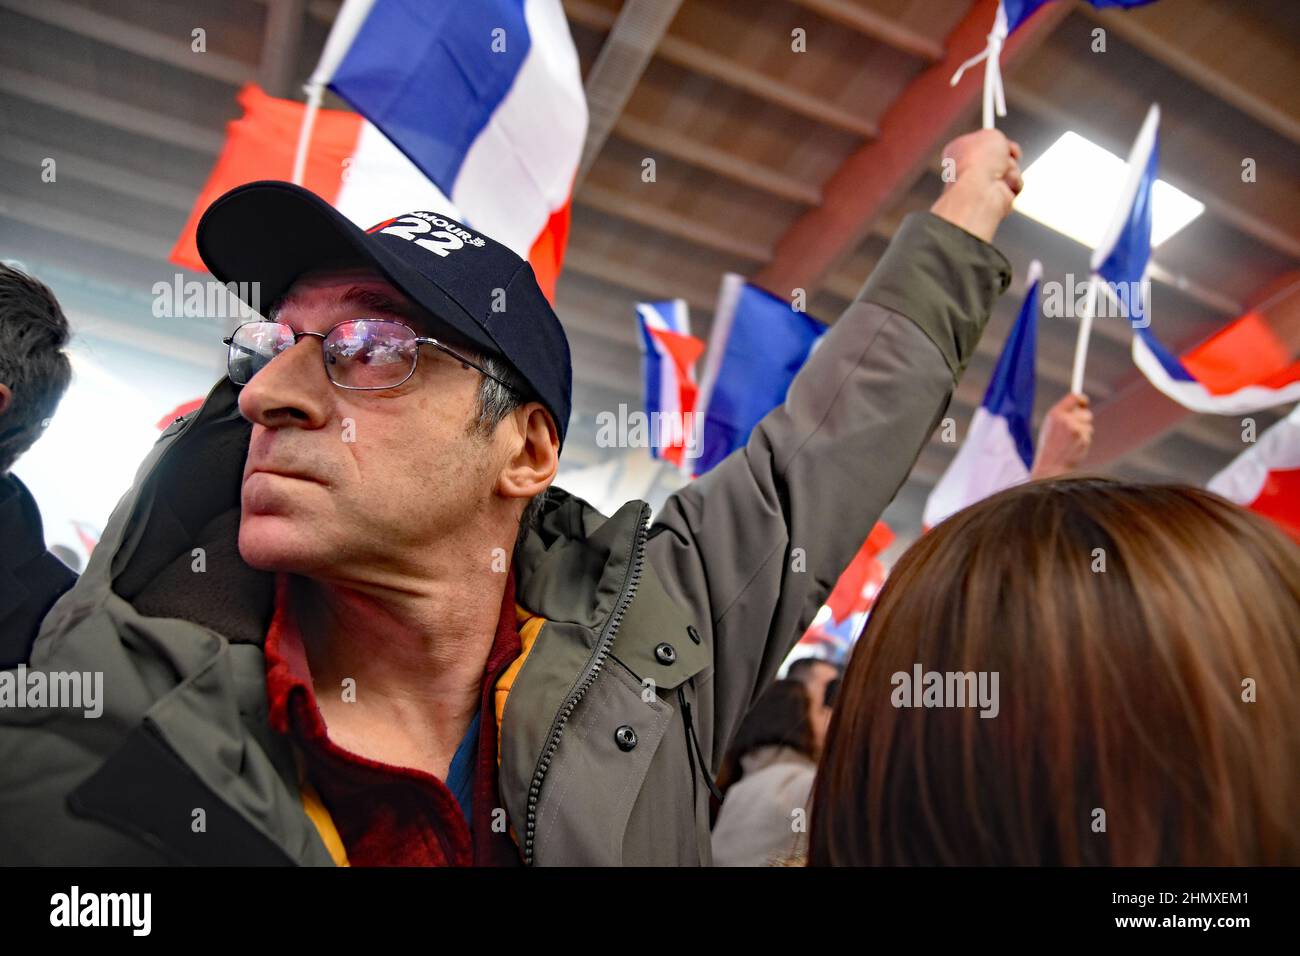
986, 182
1065, 437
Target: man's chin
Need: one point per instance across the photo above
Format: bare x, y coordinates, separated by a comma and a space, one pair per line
278, 543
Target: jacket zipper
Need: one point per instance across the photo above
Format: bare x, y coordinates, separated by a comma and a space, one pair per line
589, 674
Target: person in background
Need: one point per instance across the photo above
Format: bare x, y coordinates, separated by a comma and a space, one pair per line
815, 673
1065, 437
1146, 649
769, 772
34, 374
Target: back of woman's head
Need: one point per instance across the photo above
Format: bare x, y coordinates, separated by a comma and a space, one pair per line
1142, 648
781, 717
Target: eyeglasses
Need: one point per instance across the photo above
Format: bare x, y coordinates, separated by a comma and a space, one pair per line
361, 354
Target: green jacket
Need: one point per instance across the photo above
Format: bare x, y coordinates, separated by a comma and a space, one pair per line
730, 574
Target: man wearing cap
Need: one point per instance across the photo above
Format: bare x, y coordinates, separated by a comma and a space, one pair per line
343, 618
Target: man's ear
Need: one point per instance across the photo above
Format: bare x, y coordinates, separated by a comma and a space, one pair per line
536, 457
6, 397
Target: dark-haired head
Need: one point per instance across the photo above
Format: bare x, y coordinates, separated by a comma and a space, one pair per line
34, 369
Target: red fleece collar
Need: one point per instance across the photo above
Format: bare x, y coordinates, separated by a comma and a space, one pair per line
388, 815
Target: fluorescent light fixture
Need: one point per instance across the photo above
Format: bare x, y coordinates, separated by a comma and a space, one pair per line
1075, 186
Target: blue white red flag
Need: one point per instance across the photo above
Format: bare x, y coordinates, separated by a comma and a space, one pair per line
1243, 368
999, 448
484, 97
1266, 477
757, 345
668, 356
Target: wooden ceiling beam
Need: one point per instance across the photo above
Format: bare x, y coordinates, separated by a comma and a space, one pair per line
122, 35
1151, 30
278, 63
107, 176
640, 281
102, 109
728, 165
872, 179
623, 57
706, 62
877, 26
679, 225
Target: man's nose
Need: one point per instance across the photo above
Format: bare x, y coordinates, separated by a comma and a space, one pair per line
292, 390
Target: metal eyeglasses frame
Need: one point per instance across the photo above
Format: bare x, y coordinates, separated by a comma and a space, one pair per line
229, 342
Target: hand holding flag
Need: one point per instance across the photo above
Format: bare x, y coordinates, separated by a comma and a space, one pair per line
985, 180
1065, 437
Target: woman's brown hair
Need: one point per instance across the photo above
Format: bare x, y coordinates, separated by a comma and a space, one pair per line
1147, 645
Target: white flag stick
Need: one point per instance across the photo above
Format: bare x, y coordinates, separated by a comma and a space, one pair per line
314, 94
1085, 332
347, 23
994, 101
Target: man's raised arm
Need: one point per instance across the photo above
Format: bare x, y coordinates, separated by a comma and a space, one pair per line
753, 547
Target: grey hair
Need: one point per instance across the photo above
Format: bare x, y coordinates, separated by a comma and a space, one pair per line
33, 332
495, 402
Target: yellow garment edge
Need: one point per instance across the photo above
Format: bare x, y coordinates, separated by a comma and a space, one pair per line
529, 626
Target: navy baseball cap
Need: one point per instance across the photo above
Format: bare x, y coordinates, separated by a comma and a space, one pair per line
274, 232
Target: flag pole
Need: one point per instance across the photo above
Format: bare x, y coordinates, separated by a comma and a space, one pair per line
1085, 332
315, 92
994, 100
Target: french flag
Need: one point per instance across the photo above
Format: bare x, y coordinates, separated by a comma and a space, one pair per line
668, 356
1243, 368
351, 165
757, 345
1266, 477
484, 96
999, 448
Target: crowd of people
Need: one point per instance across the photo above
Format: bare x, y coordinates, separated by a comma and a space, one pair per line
408, 648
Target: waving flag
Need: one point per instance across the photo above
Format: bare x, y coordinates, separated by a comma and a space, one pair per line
1122, 257
1266, 477
352, 166
999, 448
757, 345
668, 356
1010, 15
485, 97
1243, 368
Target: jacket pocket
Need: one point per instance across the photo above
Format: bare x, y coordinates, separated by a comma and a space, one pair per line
599, 771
